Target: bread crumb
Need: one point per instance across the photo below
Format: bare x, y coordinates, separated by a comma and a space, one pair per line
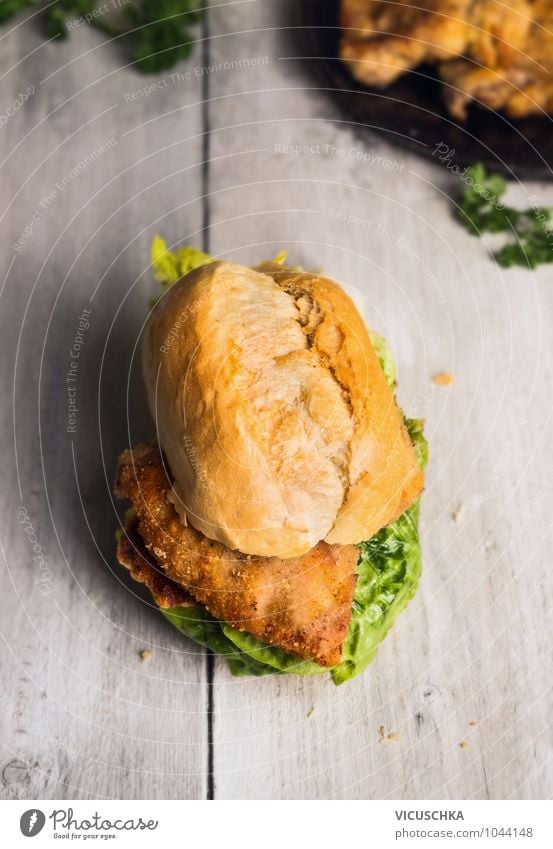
392, 737
311, 712
145, 655
464, 744
444, 378
472, 724
458, 513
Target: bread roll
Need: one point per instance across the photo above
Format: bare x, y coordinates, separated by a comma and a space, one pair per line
273, 412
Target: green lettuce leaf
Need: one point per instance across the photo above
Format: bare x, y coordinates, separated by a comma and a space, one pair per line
389, 571
197, 624
170, 266
385, 358
271, 656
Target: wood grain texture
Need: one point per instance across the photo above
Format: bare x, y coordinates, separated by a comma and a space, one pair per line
80, 714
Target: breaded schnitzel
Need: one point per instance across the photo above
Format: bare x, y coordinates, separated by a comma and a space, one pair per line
302, 604
520, 85
383, 39
498, 53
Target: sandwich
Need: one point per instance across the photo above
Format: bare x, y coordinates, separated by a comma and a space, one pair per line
274, 517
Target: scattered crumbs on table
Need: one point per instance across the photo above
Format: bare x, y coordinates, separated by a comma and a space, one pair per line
145, 655
464, 744
311, 712
392, 737
458, 513
472, 724
443, 378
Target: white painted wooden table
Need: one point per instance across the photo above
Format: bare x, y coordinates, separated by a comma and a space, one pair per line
202, 159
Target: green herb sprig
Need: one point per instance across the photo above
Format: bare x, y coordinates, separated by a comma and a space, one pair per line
482, 211
161, 36
156, 33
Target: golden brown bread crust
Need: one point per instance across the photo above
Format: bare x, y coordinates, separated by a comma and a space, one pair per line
273, 412
302, 605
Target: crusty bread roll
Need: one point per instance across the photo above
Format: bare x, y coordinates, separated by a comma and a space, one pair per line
273, 412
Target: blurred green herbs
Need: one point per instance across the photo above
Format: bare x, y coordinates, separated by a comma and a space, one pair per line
155, 33
482, 211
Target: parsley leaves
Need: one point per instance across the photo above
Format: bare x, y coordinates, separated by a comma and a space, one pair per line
156, 33
482, 211
162, 36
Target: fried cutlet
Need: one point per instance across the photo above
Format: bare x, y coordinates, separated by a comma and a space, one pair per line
302, 604
521, 84
383, 39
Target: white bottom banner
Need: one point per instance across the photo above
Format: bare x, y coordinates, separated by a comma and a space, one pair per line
261, 824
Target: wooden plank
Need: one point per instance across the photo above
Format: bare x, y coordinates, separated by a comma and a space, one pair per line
80, 714
473, 644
